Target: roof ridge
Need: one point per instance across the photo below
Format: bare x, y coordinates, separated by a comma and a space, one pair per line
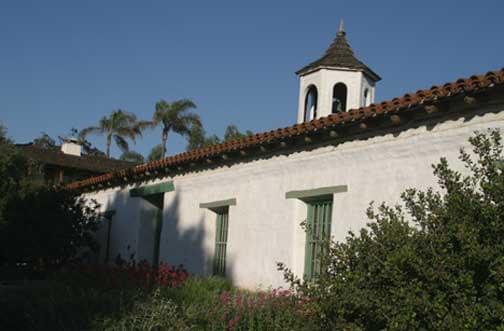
450, 89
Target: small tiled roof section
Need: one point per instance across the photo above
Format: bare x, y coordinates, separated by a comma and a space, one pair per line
409, 102
54, 156
340, 55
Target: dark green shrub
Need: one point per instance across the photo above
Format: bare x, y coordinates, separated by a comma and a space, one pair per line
41, 226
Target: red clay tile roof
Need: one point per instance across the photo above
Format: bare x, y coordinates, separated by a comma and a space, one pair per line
91, 163
340, 55
411, 101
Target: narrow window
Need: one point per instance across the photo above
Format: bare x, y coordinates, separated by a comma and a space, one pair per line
311, 103
366, 98
339, 101
219, 263
318, 234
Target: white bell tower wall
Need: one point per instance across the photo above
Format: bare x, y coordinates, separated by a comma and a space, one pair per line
360, 90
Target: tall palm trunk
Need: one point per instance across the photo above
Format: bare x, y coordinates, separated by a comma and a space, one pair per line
109, 142
164, 139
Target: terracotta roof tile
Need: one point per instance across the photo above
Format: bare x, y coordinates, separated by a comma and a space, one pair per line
408, 101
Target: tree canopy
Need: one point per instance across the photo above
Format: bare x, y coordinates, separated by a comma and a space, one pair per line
132, 156
39, 225
198, 137
174, 117
119, 126
156, 153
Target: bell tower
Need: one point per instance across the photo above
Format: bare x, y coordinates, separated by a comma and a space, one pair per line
337, 82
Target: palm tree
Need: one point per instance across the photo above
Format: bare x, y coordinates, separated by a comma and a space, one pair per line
119, 126
174, 116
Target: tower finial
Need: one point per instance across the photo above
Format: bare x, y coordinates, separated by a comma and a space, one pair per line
341, 28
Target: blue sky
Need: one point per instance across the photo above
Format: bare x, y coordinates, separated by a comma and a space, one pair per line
65, 63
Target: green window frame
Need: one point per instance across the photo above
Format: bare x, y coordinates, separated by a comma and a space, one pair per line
221, 235
318, 234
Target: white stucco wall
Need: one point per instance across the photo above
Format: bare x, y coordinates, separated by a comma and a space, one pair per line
324, 80
264, 225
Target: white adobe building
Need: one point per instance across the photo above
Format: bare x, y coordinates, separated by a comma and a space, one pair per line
235, 209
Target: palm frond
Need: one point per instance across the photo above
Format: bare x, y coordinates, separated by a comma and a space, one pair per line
183, 105
121, 143
128, 132
105, 123
142, 125
122, 118
90, 130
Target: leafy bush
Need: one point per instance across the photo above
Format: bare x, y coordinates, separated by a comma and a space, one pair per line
40, 226
155, 313
91, 297
47, 227
435, 263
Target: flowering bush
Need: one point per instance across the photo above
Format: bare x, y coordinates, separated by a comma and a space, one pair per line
277, 309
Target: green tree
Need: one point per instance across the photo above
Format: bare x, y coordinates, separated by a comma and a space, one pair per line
198, 139
118, 126
44, 141
436, 262
156, 153
3, 134
39, 225
174, 117
232, 133
132, 156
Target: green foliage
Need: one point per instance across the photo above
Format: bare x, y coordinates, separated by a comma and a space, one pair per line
118, 126
67, 302
12, 173
44, 141
3, 134
155, 313
47, 227
198, 138
132, 156
156, 153
40, 226
174, 117
232, 133
434, 263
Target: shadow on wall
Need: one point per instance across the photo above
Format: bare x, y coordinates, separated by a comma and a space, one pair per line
118, 236
131, 234
190, 242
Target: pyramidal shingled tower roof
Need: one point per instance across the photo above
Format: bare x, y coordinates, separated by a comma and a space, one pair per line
340, 55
